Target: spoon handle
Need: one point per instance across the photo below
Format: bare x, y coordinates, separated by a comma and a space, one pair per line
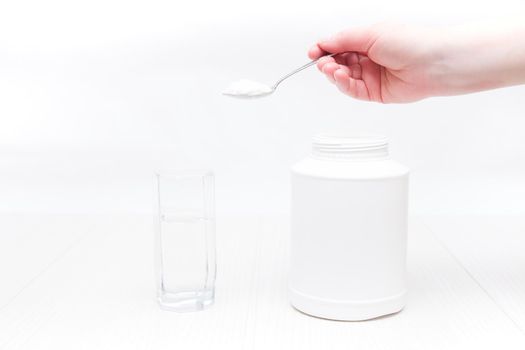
300, 69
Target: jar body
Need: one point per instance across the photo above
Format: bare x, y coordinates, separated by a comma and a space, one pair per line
348, 238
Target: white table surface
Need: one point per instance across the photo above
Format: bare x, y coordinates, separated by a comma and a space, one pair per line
87, 282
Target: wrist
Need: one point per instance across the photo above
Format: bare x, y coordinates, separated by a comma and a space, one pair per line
475, 58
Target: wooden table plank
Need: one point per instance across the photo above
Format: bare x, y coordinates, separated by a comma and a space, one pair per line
30, 244
101, 296
492, 249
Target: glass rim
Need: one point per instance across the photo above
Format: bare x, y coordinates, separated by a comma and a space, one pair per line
183, 174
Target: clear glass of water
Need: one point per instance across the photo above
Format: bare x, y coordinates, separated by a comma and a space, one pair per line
185, 240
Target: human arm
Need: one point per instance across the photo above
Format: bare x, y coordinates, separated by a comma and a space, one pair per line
392, 63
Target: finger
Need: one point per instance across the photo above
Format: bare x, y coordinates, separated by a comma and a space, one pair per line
342, 58
350, 86
352, 58
324, 60
342, 80
346, 70
315, 52
329, 70
356, 71
354, 39
361, 91
371, 74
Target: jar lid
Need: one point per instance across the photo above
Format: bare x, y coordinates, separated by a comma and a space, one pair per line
350, 146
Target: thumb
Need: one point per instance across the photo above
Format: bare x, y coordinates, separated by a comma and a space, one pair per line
354, 39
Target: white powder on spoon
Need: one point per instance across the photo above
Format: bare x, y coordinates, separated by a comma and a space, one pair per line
247, 88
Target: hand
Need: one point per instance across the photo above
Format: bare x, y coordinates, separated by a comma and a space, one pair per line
382, 63
392, 63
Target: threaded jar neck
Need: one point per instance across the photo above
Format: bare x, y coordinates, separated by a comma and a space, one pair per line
350, 147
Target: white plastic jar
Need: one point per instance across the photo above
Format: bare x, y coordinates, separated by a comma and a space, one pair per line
348, 229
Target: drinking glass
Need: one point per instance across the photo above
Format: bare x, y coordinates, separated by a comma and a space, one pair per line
185, 240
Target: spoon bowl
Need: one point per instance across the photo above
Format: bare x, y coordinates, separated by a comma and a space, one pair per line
247, 89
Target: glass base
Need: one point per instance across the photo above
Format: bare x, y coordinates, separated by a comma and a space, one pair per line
186, 301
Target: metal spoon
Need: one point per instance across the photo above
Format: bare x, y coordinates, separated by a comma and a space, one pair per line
274, 87
271, 89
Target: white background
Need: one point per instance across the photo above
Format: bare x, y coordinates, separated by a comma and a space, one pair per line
96, 95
